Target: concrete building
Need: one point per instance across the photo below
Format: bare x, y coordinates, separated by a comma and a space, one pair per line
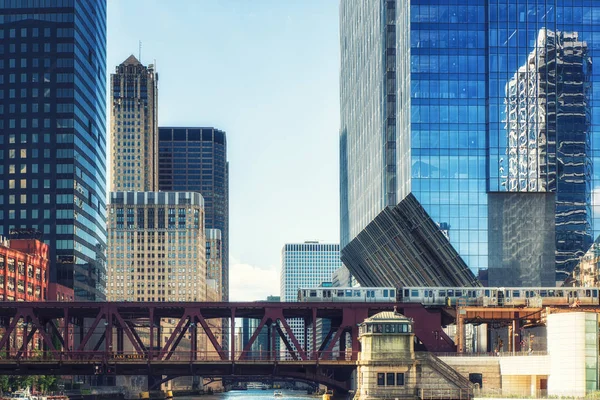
388, 366
567, 366
53, 134
305, 265
158, 247
24, 268
134, 127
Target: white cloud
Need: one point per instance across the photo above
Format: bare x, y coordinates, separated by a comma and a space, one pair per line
250, 283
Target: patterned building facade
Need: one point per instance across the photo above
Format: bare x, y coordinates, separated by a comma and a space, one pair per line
24, 268
158, 247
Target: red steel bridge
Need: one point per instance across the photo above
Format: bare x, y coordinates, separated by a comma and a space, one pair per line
167, 340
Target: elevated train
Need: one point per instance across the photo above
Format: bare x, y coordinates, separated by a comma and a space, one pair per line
448, 296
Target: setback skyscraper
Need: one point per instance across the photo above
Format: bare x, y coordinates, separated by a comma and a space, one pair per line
53, 134
195, 160
501, 99
134, 127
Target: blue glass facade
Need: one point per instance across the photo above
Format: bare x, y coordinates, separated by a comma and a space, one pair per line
53, 133
448, 120
195, 159
502, 100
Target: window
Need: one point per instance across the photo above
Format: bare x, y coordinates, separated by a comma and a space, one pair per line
380, 379
400, 379
390, 381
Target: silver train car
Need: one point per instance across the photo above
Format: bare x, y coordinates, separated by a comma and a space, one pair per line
499, 297
453, 296
348, 294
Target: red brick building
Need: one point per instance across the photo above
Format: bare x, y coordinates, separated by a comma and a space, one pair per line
24, 267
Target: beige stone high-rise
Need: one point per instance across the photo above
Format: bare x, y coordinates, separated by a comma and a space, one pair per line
134, 127
157, 248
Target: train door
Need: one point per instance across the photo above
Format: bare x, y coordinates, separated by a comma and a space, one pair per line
501, 297
428, 296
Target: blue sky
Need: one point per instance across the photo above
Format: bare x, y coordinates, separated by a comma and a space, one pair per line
267, 73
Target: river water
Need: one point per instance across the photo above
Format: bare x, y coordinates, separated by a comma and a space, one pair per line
254, 395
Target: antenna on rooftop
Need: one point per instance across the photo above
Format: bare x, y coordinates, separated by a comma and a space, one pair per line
140, 52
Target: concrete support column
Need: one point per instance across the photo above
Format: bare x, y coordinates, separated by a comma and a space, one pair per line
533, 385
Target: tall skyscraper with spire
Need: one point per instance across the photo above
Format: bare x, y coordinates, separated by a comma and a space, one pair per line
157, 246
134, 127
53, 135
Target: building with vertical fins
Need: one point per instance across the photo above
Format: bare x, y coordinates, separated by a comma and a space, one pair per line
134, 127
305, 265
195, 159
53, 134
473, 108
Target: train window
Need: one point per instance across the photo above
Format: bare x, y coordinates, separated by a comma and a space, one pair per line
450, 293
326, 293
588, 293
560, 293
340, 293
388, 328
313, 293
543, 293
426, 293
414, 293
594, 293
393, 294
442, 293
550, 293
404, 328
458, 293
357, 293
516, 293
486, 293
385, 292
348, 293
406, 293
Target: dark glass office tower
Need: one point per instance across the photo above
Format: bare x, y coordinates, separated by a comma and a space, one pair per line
502, 113
53, 134
195, 159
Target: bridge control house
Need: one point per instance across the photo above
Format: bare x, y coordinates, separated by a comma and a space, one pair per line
388, 366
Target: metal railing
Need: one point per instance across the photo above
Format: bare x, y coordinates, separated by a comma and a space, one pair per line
178, 356
494, 354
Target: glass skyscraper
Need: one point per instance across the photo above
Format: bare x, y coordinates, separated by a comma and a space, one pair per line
502, 112
53, 134
195, 160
